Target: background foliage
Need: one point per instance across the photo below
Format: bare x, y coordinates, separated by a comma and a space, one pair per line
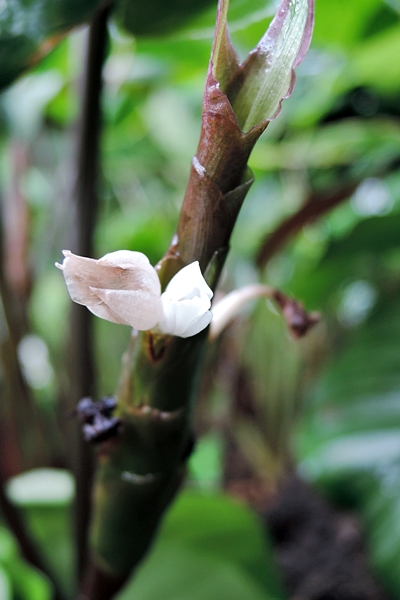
331, 404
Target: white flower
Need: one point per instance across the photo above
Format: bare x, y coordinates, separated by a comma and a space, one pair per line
186, 303
123, 287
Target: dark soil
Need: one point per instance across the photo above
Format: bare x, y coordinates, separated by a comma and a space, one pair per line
320, 551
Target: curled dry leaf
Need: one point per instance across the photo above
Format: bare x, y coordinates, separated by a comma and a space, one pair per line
297, 319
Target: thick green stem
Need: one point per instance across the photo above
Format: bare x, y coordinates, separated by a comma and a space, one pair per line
141, 470
219, 181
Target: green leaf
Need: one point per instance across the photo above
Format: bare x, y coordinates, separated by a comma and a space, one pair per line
5, 587
154, 17
45, 497
29, 30
381, 514
350, 19
375, 62
210, 547
221, 527
205, 463
177, 572
27, 583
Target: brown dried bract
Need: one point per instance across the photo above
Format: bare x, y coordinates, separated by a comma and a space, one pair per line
296, 317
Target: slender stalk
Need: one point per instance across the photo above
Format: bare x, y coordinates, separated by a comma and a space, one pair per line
85, 200
298, 321
22, 426
316, 205
21, 429
15, 214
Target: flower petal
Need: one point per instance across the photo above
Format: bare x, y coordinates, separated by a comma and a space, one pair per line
198, 325
137, 308
179, 315
185, 303
104, 312
167, 321
118, 270
79, 273
128, 270
188, 282
124, 259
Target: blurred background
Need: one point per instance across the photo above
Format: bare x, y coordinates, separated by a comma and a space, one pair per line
321, 223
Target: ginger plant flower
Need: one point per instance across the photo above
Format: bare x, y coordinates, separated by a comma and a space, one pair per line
123, 287
186, 303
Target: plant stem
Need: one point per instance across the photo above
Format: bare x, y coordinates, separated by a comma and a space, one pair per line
86, 190
141, 469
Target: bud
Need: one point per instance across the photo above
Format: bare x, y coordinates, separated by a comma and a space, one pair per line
257, 87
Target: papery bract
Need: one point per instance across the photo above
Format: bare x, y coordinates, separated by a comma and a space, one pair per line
121, 287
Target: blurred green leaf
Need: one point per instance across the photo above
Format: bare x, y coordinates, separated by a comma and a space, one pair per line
25, 101
205, 463
363, 253
374, 235
350, 18
219, 526
381, 513
175, 571
340, 143
152, 17
28, 31
209, 547
45, 497
358, 391
5, 587
375, 62
26, 582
